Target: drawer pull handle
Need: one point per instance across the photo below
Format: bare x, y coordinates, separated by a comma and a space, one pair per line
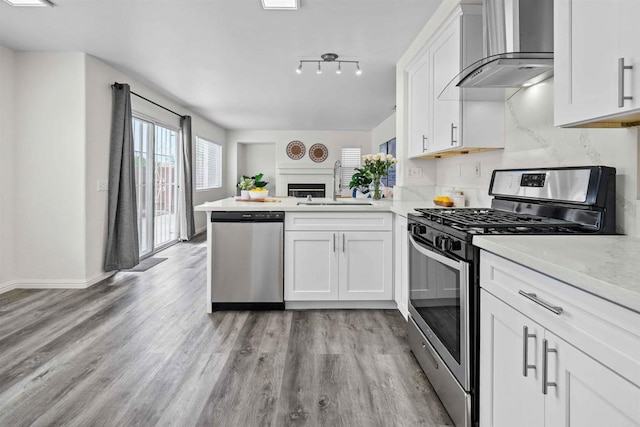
424, 139
525, 350
545, 366
533, 297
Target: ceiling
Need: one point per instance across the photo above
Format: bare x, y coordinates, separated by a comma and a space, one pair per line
234, 63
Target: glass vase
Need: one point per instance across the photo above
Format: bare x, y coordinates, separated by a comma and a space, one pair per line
376, 191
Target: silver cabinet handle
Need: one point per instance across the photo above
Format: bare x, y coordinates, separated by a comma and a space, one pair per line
424, 139
453, 141
621, 68
533, 297
525, 350
545, 366
334, 242
343, 243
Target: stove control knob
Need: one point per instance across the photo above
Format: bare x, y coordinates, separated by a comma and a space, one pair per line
445, 244
455, 245
417, 229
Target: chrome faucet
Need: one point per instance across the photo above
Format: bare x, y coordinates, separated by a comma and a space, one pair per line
336, 169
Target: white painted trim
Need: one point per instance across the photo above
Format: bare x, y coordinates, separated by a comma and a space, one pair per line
61, 283
200, 230
7, 286
306, 305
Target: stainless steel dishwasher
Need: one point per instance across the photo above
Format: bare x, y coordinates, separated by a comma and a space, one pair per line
247, 260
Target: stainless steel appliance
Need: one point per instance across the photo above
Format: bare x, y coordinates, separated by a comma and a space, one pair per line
444, 292
518, 43
247, 260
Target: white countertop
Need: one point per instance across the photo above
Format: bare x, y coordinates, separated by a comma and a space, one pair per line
606, 266
291, 204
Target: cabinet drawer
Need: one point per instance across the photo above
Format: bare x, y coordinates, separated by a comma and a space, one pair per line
338, 221
606, 331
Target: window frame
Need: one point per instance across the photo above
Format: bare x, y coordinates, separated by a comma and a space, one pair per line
344, 185
199, 138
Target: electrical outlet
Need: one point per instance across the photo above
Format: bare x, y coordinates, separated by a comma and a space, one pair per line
477, 170
414, 172
103, 185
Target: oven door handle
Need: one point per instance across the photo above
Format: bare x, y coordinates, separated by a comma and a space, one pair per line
458, 265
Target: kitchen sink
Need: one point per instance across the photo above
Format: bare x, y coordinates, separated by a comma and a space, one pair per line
336, 203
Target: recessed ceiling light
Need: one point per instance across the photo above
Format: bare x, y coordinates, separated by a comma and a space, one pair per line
29, 3
279, 4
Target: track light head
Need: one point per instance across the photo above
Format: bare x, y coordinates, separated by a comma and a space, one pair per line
299, 69
319, 70
358, 70
339, 70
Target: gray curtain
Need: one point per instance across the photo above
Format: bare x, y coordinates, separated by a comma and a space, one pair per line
122, 233
185, 125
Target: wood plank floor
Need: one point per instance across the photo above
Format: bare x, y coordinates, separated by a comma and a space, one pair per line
140, 349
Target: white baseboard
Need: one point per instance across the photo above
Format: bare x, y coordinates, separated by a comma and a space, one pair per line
7, 286
306, 305
201, 230
58, 283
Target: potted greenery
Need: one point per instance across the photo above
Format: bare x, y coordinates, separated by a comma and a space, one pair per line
247, 184
360, 180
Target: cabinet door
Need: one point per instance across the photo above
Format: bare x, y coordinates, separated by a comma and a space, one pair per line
311, 266
419, 104
586, 393
401, 266
507, 397
590, 36
366, 266
445, 65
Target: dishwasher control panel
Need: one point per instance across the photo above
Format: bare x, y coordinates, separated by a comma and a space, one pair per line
250, 216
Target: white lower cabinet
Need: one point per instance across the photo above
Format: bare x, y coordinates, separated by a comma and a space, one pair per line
557, 357
588, 393
339, 265
311, 266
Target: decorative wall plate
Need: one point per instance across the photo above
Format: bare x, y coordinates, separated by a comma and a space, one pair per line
318, 153
295, 150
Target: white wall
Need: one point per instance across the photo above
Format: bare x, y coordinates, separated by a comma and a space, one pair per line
7, 63
55, 117
49, 147
334, 140
382, 133
258, 158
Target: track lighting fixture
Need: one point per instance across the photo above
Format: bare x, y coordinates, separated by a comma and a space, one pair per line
329, 57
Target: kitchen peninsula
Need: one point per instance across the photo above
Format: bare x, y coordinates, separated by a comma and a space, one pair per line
337, 254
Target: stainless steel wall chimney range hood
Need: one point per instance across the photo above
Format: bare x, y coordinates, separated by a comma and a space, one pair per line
518, 44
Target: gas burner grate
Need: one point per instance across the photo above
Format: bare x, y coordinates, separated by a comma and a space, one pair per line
491, 218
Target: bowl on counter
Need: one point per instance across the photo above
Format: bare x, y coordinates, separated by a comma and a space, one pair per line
258, 194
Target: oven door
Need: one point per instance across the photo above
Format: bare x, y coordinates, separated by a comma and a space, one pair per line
438, 303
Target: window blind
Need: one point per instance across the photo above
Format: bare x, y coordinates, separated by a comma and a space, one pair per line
208, 164
351, 159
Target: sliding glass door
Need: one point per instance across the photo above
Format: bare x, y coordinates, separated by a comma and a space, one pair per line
156, 170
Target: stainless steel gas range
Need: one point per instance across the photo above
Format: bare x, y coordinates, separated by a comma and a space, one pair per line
444, 289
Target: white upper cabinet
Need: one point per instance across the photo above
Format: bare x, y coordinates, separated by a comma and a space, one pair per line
447, 122
596, 42
419, 96
445, 57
